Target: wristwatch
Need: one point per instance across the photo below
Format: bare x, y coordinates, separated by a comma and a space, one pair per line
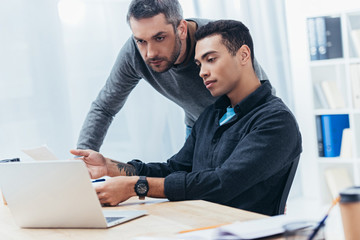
142, 187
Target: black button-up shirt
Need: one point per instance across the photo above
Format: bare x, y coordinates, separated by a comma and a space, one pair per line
243, 163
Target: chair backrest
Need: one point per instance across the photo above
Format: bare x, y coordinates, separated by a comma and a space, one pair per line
289, 180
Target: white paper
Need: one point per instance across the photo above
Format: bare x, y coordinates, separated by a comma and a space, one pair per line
257, 228
244, 230
40, 153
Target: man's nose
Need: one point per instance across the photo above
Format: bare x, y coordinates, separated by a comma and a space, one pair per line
204, 73
151, 51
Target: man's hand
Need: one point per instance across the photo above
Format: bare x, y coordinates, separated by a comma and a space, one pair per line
95, 162
116, 190
119, 189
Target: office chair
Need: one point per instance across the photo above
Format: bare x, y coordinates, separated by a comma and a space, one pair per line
288, 183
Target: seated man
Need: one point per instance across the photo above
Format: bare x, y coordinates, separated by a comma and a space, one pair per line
240, 149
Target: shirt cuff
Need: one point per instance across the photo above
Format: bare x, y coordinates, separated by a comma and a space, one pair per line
174, 186
139, 166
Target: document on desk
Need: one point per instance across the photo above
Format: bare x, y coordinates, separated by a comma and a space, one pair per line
244, 230
40, 153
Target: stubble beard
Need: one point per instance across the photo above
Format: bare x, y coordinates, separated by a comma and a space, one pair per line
169, 61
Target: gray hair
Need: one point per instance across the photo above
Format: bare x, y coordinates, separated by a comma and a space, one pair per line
140, 9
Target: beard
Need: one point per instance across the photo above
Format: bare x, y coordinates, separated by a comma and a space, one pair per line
169, 62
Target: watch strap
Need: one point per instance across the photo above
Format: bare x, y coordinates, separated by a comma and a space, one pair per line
142, 187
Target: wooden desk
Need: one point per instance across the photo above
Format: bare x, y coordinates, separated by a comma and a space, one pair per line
164, 219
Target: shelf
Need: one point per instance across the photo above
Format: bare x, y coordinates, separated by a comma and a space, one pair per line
331, 111
308, 75
336, 160
354, 60
328, 62
332, 81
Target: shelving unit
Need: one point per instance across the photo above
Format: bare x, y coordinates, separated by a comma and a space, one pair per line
307, 74
338, 71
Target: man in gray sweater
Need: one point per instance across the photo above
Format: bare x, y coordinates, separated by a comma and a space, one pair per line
160, 51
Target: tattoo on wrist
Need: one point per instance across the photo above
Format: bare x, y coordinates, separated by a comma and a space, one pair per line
128, 169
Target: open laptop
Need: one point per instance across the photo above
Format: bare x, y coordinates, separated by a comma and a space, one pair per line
56, 194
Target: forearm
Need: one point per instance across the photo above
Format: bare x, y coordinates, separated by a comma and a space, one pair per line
156, 187
116, 168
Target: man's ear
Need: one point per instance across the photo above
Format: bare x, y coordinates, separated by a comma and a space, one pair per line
244, 54
182, 29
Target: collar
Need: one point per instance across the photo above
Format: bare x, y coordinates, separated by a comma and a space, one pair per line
252, 101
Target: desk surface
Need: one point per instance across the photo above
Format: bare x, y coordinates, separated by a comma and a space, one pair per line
164, 219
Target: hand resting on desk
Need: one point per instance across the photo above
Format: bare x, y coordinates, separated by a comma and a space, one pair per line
115, 190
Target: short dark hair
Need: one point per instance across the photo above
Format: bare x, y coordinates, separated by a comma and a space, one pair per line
140, 9
234, 34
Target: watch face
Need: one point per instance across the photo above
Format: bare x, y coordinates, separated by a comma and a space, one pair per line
141, 188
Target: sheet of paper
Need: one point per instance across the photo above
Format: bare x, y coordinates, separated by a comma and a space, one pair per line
257, 228
40, 153
244, 230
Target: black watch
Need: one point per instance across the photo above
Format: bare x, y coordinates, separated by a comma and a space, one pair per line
142, 187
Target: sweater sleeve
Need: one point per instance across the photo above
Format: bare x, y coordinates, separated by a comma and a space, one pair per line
111, 98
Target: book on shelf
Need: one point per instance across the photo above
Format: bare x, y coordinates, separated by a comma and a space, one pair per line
320, 95
337, 179
319, 136
346, 144
333, 37
333, 135
332, 130
311, 27
355, 84
324, 38
321, 37
355, 36
333, 94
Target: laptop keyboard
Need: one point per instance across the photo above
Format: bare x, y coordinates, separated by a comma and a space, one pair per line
112, 219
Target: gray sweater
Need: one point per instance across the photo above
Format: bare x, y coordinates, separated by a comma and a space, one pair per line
181, 84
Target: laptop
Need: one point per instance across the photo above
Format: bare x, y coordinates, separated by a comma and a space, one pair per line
56, 194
